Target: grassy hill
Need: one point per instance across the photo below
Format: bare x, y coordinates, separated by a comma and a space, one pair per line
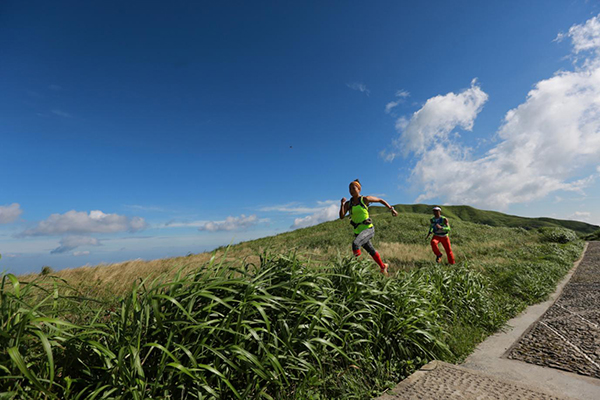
291, 316
400, 240
494, 218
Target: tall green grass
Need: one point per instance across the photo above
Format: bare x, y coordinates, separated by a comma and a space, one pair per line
281, 329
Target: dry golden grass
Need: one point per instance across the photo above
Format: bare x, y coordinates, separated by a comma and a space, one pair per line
405, 252
115, 279
106, 280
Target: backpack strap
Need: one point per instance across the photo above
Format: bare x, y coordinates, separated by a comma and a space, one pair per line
362, 202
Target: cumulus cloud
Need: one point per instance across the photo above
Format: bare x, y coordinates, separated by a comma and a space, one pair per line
10, 213
69, 243
545, 144
322, 215
80, 222
436, 120
439, 116
361, 87
230, 224
585, 36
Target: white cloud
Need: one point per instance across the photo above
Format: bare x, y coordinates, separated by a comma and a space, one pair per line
581, 214
325, 214
545, 144
230, 224
388, 156
439, 116
184, 224
78, 222
62, 113
361, 87
402, 95
292, 208
69, 243
326, 210
327, 202
389, 106
81, 253
584, 216
584, 37
10, 213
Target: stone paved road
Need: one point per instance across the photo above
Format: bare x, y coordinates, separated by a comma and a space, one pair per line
438, 380
551, 351
567, 336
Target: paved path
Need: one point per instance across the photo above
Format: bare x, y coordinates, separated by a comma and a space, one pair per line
438, 380
531, 359
567, 336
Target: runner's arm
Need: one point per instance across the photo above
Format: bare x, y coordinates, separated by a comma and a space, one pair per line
343, 208
446, 226
373, 199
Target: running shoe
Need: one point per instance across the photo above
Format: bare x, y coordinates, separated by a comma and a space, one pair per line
384, 271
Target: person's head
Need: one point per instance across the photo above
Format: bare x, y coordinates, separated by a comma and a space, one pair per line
437, 211
355, 188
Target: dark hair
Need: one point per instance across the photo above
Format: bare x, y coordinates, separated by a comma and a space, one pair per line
357, 183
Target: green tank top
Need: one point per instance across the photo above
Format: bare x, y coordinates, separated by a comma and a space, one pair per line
359, 213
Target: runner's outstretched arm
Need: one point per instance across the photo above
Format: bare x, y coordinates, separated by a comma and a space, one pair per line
373, 199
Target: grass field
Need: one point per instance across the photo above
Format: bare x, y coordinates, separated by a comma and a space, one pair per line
476, 235
290, 316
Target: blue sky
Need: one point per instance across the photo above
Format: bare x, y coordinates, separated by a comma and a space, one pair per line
152, 129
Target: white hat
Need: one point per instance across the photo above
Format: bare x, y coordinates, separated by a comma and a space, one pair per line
437, 209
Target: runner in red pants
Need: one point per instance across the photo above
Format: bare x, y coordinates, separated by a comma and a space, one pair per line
440, 229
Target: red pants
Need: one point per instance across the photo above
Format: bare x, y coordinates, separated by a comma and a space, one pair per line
445, 241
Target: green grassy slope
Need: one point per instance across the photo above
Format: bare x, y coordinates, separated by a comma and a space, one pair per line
410, 227
494, 218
